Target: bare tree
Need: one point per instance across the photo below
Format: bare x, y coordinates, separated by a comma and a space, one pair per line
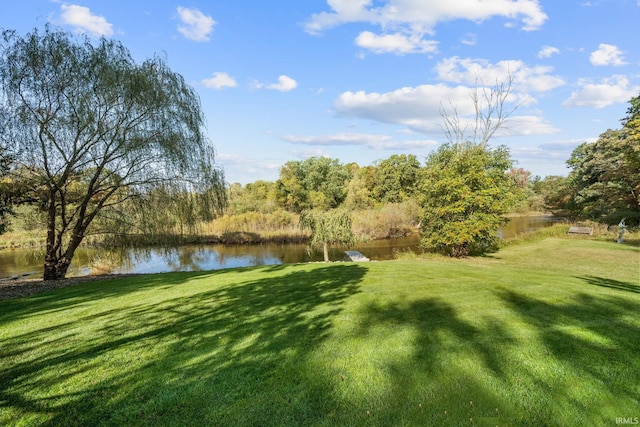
491, 113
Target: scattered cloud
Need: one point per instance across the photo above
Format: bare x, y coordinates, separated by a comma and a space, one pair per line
548, 52
305, 154
613, 90
527, 125
553, 151
195, 25
421, 16
469, 39
478, 71
245, 168
84, 21
285, 84
419, 109
415, 107
395, 43
375, 141
607, 54
219, 80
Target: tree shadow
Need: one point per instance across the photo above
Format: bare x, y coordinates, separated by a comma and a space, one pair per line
226, 345
478, 369
259, 352
64, 298
594, 338
430, 384
611, 284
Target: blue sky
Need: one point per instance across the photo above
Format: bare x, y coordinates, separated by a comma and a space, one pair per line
360, 80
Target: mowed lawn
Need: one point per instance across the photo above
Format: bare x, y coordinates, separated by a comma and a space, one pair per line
544, 333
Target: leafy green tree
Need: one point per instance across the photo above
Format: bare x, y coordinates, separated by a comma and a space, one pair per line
397, 178
5, 191
98, 129
556, 194
358, 194
605, 175
318, 182
258, 196
466, 190
466, 186
328, 228
605, 178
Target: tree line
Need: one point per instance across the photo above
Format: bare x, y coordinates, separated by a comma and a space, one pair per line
464, 188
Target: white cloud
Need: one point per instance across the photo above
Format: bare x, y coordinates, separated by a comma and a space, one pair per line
421, 16
607, 54
246, 169
554, 151
415, 107
195, 25
285, 84
395, 43
83, 20
375, 141
528, 125
548, 52
613, 90
418, 108
471, 71
305, 154
469, 39
220, 80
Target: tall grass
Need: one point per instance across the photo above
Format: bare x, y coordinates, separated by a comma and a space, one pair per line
278, 225
391, 220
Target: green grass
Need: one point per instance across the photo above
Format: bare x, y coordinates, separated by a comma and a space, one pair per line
545, 333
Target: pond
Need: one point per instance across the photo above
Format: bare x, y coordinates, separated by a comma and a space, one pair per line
213, 257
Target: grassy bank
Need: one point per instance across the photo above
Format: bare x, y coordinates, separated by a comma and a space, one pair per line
544, 333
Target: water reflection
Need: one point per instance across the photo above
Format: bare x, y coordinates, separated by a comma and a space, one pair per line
213, 257
526, 224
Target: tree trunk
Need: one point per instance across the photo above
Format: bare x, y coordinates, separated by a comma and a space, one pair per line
56, 268
325, 248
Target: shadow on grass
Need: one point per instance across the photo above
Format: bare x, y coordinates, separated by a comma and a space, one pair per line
67, 297
224, 355
595, 338
611, 284
583, 365
432, 384
261, 352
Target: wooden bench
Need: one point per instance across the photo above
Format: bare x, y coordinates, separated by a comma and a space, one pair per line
355, 256
585, 231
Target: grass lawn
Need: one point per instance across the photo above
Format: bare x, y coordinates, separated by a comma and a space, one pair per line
544, 333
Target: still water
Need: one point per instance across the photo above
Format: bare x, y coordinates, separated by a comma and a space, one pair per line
214, 257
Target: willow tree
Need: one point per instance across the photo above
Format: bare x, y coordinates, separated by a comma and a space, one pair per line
332, 227
5, 193
97, 129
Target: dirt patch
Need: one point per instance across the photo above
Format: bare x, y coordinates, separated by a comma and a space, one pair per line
21, 287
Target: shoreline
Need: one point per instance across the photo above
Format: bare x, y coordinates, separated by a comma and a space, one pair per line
12, 288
